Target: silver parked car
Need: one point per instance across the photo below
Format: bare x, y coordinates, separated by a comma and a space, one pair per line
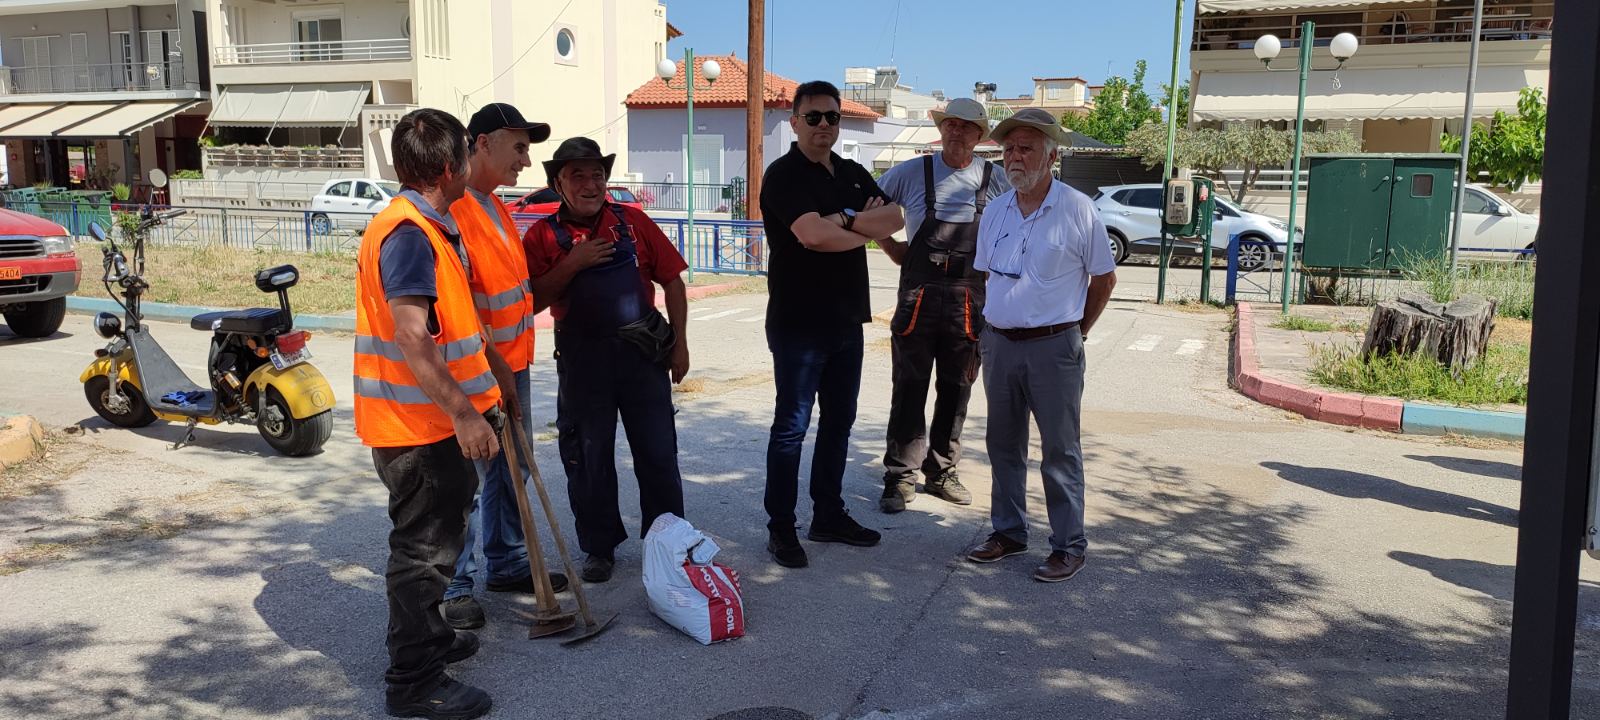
1132, 215
350, 203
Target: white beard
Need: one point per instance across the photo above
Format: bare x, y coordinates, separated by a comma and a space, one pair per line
1024, 180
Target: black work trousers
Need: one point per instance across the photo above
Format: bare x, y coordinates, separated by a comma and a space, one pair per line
430, 493
935, 339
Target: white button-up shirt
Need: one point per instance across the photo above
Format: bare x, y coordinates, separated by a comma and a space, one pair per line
1039, 265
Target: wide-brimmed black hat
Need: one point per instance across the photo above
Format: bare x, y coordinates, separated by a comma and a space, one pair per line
577, 148
503, 116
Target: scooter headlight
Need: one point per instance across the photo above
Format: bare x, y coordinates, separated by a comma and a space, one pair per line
107, 325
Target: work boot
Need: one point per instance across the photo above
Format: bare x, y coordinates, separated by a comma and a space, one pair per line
843, 529
896, 494
947, 487
464, 646
784, 544
446, 700
524, 584
597, 569
463, 613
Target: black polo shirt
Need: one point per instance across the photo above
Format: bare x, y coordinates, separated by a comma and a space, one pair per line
806, 288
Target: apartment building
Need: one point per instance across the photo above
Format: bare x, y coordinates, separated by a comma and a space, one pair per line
306, 90
1057, 95
94, 93
1405, 87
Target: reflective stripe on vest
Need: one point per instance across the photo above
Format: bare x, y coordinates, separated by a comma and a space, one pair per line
391, 410
500, 287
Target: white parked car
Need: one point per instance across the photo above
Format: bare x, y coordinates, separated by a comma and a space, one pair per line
1491, 227
350, 203
1132, 215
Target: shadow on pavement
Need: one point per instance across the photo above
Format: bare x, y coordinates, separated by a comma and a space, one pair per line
1350, 484
1473, 466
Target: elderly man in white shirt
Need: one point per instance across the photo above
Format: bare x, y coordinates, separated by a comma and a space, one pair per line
1051, 272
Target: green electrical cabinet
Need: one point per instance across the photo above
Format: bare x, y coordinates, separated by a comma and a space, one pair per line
1376, 211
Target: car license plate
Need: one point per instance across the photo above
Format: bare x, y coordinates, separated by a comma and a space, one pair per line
284, 362
10, 273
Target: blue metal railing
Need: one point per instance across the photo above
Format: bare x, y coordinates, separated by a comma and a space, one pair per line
717, 246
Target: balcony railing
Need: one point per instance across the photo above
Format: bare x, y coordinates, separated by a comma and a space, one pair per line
101, 78
1379, 26
285, 157
315, 52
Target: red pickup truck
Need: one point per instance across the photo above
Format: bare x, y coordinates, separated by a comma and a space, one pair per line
38, 270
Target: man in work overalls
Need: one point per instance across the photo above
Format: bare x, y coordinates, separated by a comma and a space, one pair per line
940, 311
596, 264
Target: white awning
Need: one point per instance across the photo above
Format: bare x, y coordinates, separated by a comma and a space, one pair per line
1388, 93
1207, 7
298, 105
126, 120
18, 112
47, 124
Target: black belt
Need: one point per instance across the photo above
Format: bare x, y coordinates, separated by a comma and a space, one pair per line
1020, 334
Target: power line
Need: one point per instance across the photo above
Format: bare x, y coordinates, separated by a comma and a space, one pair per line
524, 54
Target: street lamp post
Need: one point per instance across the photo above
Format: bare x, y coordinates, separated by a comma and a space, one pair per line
1342, 48
667, 70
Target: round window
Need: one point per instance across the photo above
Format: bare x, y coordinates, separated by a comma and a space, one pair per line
564, 43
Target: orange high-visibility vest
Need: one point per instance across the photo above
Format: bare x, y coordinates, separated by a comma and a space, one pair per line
500, 286
391, 410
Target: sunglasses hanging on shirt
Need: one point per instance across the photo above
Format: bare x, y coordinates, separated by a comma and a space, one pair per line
815, 117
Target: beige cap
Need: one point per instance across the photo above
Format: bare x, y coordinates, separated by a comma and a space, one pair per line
963, 109
1036, 118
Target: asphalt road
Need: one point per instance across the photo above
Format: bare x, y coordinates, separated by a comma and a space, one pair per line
1243, 563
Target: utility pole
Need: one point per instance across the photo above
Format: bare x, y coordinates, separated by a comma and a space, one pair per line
1462, 176
755, 109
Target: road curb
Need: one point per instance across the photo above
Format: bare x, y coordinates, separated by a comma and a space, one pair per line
21, 439
1368, 411
1377, 413
326, 323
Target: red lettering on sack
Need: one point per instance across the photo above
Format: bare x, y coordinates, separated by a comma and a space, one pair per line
723, 604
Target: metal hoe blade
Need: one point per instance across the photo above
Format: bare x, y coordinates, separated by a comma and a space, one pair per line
588, 632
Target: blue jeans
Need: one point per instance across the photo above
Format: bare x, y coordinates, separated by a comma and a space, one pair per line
494, 517
811, 367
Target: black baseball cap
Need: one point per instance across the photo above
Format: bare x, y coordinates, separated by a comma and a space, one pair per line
502, 116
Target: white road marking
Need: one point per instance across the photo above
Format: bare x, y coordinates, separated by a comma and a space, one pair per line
1146, 343
1191, 347
723, 314
1092, 341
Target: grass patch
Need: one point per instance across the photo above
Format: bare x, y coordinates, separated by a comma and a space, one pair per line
1302, 324
1510, 283
1499, 377
220, 276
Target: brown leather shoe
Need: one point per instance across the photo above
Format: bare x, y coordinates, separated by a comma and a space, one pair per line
997, 547
1058, 567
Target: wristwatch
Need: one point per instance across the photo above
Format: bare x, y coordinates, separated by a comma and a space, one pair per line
849, 218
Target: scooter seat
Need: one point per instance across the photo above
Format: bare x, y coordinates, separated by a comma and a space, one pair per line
254, 321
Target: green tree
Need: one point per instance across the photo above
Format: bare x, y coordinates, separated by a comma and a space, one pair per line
1511, 149
1183, 101
1121, 108
1250, 150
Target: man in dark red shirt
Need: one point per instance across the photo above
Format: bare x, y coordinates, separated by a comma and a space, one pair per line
595, 264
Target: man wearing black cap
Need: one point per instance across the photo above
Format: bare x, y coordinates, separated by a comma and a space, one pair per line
595, 264
498, 138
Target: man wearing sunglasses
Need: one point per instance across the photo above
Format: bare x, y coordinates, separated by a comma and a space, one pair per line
819, 210
941, 305
1051, 272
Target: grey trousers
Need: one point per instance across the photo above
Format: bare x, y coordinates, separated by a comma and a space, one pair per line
1043, 376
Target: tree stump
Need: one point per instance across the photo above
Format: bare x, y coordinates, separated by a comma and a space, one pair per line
1456, 334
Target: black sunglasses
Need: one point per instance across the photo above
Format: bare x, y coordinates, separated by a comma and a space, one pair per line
815, 117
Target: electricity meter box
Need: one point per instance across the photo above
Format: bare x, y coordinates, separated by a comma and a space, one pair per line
1378, 212
1188, 207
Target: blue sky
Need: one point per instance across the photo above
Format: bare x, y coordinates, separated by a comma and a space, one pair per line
944, 44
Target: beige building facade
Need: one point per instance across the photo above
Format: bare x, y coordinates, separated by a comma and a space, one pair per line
306, 91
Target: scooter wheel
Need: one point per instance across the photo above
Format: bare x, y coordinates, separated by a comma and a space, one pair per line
98, 391
291, 436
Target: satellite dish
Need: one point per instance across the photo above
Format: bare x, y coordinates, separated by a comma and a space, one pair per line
158, 178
